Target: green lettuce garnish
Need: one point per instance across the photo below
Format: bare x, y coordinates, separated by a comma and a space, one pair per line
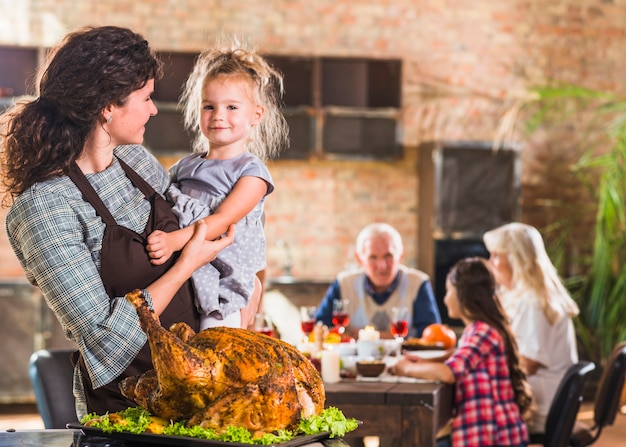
331, 420
135, 420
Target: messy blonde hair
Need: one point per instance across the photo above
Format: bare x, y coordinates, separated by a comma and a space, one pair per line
267, 139
532, 269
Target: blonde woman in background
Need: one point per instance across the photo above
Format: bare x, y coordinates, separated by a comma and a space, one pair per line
540, 309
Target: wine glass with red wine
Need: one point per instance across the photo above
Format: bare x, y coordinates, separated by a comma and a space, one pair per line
399, 321
263, 325
307, 319
341, 318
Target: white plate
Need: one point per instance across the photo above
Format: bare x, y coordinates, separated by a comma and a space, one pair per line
427, 355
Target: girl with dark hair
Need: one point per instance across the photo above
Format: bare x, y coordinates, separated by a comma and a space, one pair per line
492, 397
84, 195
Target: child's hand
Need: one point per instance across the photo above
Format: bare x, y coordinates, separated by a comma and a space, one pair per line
400, 367
159, 247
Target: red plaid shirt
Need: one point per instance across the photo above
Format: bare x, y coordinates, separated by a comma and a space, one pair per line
485, 410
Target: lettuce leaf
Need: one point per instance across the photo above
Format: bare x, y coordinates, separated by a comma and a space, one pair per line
137, 420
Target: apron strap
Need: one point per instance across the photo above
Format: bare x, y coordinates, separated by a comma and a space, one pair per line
143, 186
90, 194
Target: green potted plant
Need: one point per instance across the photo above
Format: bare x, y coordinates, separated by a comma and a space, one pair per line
600, 286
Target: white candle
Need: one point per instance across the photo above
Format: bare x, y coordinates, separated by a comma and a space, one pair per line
369, 334
330, 366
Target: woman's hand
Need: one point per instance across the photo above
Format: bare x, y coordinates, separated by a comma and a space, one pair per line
199, 251
196, 253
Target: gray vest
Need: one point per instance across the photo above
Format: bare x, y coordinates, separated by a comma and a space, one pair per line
364, 311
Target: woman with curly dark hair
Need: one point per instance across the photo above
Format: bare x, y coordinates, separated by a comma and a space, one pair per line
84, 195
492, 397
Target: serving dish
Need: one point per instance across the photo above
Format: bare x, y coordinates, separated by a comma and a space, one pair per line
432, 354
370, 368
186, 441
415, 344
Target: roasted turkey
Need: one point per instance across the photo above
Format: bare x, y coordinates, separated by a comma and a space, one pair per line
223, 376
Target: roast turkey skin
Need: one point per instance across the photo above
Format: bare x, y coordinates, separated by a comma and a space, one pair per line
223, 376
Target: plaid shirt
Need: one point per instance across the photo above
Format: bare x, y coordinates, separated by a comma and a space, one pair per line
57, 238
486, 411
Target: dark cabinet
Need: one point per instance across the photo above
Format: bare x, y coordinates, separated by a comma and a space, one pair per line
341, 107
26, 325
335, 107
18, 68
466, 189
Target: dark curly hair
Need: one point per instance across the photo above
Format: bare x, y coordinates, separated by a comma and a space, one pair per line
91, 69
476, 292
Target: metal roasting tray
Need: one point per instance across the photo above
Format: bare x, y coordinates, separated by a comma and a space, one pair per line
186, 441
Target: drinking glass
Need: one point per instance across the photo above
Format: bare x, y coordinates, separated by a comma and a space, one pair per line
307, 318
341, 318
263, 325
399, 321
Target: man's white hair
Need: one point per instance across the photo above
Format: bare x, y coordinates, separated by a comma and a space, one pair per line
379, 229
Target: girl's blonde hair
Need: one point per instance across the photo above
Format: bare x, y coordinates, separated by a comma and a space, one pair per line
271, 136
531, 267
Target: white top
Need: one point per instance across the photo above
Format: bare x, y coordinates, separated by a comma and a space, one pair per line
551, 345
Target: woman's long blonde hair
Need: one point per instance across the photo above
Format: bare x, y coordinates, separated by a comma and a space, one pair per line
532, 268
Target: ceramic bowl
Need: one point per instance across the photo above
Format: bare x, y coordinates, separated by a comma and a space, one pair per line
370, 368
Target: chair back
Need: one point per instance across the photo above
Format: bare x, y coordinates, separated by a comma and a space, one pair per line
608, 395
565, 406
51, 373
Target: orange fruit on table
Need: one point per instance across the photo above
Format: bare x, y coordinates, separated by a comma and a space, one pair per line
438, 334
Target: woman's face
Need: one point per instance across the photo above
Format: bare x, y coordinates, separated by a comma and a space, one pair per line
128, 122
451, 300
501, 268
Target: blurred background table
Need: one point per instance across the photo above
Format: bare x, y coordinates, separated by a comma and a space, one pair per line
412, 412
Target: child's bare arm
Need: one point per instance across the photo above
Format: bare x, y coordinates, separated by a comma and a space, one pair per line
246, 193
162, 245
423, 369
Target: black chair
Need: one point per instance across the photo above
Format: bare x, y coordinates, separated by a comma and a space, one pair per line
565, 406
607, 399
51, 373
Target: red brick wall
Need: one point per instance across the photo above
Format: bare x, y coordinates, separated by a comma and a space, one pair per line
464, 64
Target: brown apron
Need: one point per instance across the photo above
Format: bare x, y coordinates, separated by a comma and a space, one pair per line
125, 266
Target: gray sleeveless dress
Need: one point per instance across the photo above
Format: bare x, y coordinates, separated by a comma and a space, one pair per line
225, 285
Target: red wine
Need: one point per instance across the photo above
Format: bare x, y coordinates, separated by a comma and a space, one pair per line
307, 326
400, 328
266, 331
341, 319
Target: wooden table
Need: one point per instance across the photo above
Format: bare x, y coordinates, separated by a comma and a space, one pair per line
413, 412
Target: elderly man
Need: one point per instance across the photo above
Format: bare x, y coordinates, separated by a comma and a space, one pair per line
380, 284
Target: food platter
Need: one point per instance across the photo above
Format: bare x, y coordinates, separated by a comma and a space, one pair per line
185, 441
430, 354
415, 344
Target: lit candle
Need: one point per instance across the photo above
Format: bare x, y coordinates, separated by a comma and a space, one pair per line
330, 366
368, 333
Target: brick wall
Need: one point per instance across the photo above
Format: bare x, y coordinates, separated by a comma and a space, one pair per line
464, 64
